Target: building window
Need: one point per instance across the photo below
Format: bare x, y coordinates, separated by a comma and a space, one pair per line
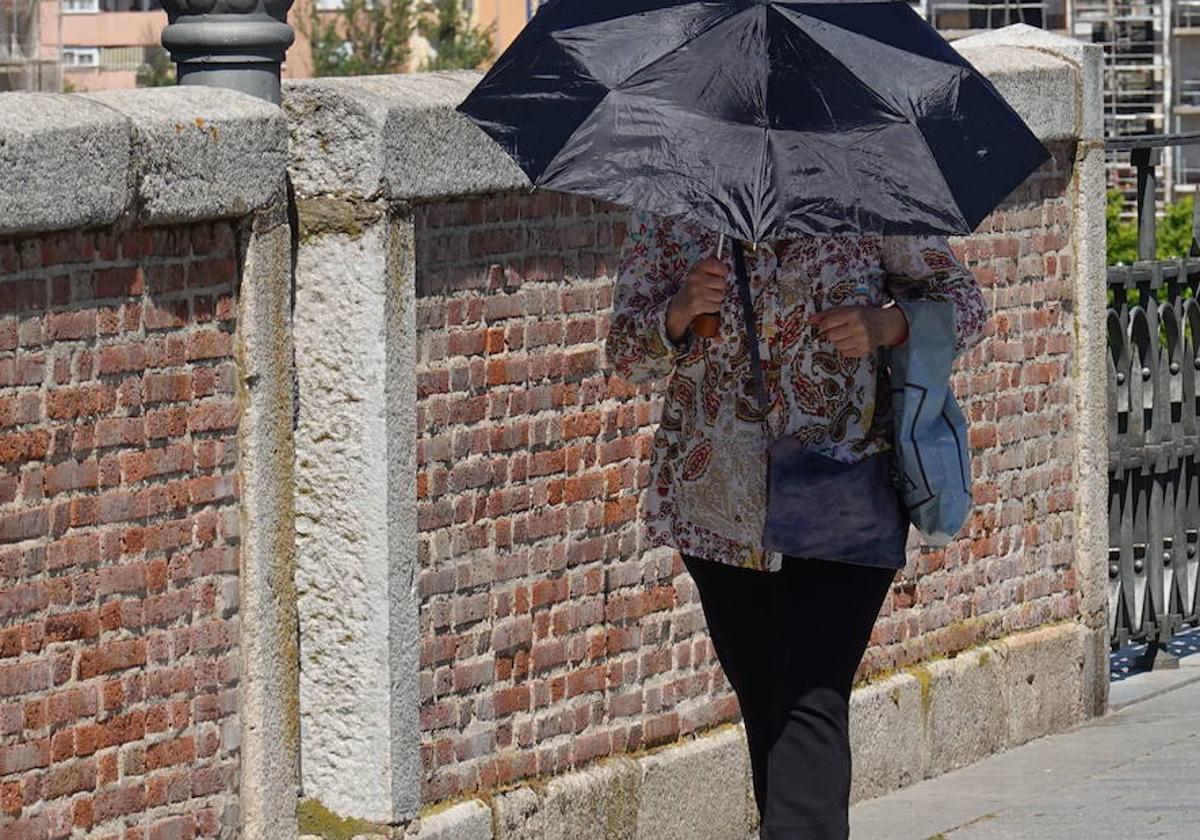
81, 56
79, 7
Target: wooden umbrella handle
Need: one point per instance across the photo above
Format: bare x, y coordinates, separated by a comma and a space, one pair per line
708, 324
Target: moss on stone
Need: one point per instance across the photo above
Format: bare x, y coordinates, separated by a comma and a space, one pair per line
621, 808
346, 215
925, 678
538, 784
445, 804
314, 818
878, 676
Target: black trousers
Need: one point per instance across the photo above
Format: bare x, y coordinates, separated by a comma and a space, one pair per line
789, 643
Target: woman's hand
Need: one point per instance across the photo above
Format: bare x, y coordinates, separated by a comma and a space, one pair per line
702, 291
857, 330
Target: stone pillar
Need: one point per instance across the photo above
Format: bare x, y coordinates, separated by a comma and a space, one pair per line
360, 149
236, 44
1077, 114
355, 495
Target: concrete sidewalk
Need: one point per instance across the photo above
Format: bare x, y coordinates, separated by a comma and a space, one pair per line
1133, 773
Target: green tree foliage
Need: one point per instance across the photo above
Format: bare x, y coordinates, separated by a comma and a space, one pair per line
458, 44
1122, 236
158, 71
1174, 230
363, 38
368, 37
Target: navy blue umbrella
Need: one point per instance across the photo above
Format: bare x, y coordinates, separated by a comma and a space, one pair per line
759, 119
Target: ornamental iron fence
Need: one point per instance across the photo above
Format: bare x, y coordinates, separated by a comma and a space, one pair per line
1154, 427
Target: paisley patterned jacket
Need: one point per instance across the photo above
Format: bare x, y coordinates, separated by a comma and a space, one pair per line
707, 484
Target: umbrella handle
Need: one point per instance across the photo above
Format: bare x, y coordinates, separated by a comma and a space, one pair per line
708, 324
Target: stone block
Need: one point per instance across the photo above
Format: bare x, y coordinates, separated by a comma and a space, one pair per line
396, 137
1044, 677
200, 152
596, 803
696, 789
1044, 89
355, 521
967, 717
1087, 59
471, 820
887, 735
64, 162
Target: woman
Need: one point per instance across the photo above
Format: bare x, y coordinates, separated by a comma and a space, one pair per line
789, 632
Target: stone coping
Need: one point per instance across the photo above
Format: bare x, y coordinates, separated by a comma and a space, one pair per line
1032, 83
189, 153
395, 137
160, 155
399, 137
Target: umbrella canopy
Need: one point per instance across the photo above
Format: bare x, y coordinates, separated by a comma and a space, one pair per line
756, 118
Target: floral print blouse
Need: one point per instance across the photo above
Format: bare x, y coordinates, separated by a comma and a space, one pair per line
707, 484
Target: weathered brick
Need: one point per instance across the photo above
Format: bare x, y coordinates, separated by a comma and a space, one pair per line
24, 446
66, 779
62, 627
181, 827
112, 656
118, 800
24, 678
122, 358
171, 752
79, 401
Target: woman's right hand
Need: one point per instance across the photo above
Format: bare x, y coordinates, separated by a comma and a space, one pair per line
703, 290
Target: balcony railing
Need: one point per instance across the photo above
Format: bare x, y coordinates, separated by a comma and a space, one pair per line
1187, 14
1154, 426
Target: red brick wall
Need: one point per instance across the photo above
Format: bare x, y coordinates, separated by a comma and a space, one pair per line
548, 638
118, 534
1012, 569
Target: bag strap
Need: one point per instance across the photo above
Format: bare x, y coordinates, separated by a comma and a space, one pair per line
743, 281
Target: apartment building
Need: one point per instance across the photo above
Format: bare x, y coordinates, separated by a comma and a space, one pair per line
79, 44
82, 45
508, 17
1151, 66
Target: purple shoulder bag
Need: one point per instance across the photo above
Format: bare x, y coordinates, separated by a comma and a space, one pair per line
819, 507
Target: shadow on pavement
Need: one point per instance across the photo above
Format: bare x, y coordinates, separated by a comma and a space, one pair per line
1125, 662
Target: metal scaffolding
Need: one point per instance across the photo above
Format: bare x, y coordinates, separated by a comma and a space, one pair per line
961, 17
1138, 77
1185, 27
22, 67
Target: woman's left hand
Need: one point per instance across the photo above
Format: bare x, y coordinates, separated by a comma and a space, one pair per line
857, 330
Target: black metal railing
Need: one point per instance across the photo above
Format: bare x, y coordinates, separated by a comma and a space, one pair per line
1154, 426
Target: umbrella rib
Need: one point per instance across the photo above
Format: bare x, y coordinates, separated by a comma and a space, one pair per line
910, 118
566, 144
713, 25
849, 70
938, 169
787, 12
764, 159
